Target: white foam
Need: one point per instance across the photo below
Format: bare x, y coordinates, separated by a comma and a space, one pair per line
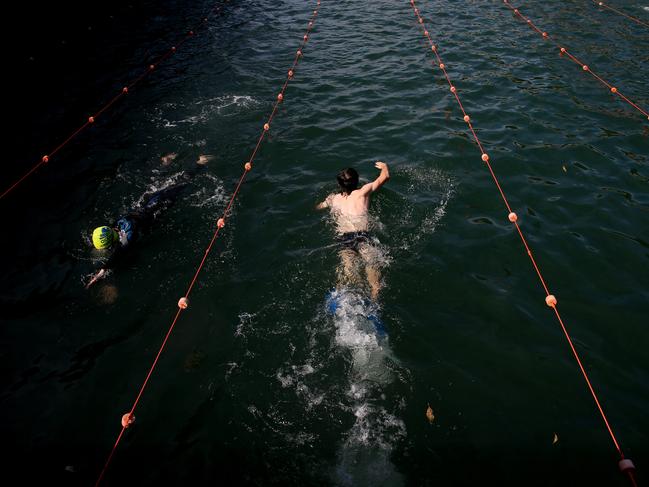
375, 426
211, 195
254, 411
357, 391
364, 459
245, 324
227, 101
285, 380
364, 456
293, 377
158, 184
222, 106
231, 367
353, 329
302, 438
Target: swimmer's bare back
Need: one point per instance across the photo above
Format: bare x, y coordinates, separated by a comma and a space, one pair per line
351, 209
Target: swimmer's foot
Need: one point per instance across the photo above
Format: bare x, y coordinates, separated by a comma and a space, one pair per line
331, 302
378, 325
204, 159
372, 309
168, 159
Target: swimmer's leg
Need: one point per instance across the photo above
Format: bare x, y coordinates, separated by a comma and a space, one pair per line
164, 196
168, 195
368, 253
374, 279
346, 272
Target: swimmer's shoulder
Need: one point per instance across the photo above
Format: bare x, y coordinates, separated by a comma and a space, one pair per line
334, 199
364, 191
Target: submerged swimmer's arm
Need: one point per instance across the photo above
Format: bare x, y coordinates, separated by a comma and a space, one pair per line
378, 182
100, 274
106, 266
325, 204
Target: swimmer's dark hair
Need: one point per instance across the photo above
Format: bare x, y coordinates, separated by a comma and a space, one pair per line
348, 180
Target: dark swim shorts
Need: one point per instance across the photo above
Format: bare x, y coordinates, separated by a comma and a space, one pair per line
352, 240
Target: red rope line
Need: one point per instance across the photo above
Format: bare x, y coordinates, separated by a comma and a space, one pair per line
125, 90
549, 299
563, 50
220, 223
619, 12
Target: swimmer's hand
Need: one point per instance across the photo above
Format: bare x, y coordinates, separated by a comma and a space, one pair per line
379, 181
123, 239
96, 277
381, 166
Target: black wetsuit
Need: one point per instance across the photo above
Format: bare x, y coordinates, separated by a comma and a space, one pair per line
131, 226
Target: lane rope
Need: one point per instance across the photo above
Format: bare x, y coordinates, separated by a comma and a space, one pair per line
183, 302
563, 51
122, 93
625, 464
619, 12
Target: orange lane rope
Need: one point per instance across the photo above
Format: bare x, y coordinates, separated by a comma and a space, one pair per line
122, 92
564, 51
619, 12
183, 302
625, 464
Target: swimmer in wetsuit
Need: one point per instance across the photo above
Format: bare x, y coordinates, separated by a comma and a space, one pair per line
114, 240
350, 208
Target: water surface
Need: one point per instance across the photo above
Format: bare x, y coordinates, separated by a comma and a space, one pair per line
259, 384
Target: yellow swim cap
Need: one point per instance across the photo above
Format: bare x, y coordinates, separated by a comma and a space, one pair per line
103, 237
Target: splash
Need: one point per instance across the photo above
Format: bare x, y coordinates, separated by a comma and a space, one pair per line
364, 456
212, 194
229, 104
170, 115
426, 198
157, 184
364, 459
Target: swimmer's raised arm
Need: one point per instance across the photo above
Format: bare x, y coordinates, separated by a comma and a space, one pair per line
378, 182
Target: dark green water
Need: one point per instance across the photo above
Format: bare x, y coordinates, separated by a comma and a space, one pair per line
259, 386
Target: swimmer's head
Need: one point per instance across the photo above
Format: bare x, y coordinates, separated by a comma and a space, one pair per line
104, 237
348, 180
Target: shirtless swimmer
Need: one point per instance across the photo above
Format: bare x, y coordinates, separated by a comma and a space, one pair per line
350, 209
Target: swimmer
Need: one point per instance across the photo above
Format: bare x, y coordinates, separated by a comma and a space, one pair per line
350, 209
113, 241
